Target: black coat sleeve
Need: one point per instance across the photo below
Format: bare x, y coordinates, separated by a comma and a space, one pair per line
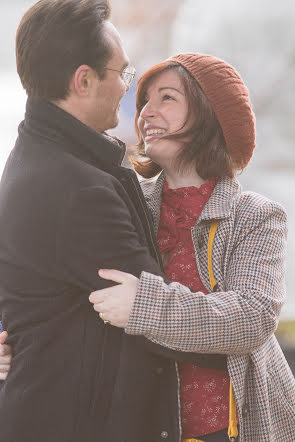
97, 232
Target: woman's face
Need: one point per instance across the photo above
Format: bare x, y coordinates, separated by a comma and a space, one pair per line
164, 113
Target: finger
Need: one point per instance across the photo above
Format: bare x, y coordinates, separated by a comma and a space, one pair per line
4, 368
114, 275
100, 308
3, 376
5, 360
98, 296
3, 337
5, 350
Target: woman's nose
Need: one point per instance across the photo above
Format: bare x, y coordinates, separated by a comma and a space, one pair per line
148, 111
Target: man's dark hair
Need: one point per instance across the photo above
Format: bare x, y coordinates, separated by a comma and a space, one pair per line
54, 38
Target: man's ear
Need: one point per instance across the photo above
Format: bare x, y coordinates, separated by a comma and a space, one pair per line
82, 80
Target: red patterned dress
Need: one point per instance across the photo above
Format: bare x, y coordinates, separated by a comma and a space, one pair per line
204, 392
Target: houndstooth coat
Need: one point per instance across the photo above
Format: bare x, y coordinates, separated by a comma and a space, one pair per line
239, 319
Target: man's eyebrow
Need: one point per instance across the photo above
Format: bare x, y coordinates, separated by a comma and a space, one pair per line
170, 87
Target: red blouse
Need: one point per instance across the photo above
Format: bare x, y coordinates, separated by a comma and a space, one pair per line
204, 392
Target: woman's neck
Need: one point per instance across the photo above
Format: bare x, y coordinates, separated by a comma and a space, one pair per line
176, 180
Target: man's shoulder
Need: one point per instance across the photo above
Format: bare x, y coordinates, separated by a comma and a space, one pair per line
38, 170
61, 167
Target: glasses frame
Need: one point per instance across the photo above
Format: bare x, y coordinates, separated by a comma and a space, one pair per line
128, 74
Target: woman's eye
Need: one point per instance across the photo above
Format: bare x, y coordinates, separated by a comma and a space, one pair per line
168, 97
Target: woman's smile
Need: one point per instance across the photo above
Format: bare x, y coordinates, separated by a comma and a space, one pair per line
152, 133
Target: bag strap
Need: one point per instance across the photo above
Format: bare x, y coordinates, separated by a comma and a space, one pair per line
213, 228
233, 427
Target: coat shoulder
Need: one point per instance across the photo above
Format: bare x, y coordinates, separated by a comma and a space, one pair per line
254, 205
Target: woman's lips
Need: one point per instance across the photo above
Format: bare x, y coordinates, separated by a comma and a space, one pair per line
153, 137
154, 133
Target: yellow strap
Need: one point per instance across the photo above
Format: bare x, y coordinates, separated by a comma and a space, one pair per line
233, 426
192, 440
213, 228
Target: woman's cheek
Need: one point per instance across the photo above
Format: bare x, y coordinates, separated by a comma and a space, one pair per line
140, 125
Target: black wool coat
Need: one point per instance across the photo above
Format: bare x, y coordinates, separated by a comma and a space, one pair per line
67, 208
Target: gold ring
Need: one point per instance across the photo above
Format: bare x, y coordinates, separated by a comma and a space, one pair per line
104, 320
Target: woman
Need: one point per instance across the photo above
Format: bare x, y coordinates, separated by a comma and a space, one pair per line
223, 250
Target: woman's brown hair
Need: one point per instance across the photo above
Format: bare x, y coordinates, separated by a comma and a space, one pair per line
206, 148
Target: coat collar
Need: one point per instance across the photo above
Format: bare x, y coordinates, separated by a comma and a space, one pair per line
49, 122
222, 199
218, 206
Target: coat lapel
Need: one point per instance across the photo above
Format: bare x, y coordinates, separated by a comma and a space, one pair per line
152, 190
218, 206
222, 199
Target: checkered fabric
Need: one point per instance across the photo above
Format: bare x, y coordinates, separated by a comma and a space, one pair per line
240, 318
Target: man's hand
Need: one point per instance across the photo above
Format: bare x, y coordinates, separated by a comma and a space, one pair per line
5, 356
114, 304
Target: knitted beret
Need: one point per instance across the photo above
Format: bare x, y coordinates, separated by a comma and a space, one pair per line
230, 100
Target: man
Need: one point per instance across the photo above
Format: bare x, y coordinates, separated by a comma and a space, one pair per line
67, 209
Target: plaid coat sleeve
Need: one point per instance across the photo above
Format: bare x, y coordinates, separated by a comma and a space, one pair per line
248, 257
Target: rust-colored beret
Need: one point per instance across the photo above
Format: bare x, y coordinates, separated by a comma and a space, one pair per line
229, 97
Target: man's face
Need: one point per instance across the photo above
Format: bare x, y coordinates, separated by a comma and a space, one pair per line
105, 95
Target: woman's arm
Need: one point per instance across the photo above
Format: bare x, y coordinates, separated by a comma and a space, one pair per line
233, 321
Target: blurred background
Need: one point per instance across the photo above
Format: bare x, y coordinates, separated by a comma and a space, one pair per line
257, 37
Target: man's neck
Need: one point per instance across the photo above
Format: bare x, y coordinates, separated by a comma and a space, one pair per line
75, 109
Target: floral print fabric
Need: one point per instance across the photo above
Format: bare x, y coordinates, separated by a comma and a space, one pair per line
204, 392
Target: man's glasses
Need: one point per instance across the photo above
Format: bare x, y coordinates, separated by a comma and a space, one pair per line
128, 74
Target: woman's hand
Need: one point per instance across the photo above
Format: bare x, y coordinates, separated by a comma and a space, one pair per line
114, 304
5, 356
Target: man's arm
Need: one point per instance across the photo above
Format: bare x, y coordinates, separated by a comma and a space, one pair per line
98, 232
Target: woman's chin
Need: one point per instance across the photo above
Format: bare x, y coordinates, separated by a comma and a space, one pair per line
152, 149
152, 155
